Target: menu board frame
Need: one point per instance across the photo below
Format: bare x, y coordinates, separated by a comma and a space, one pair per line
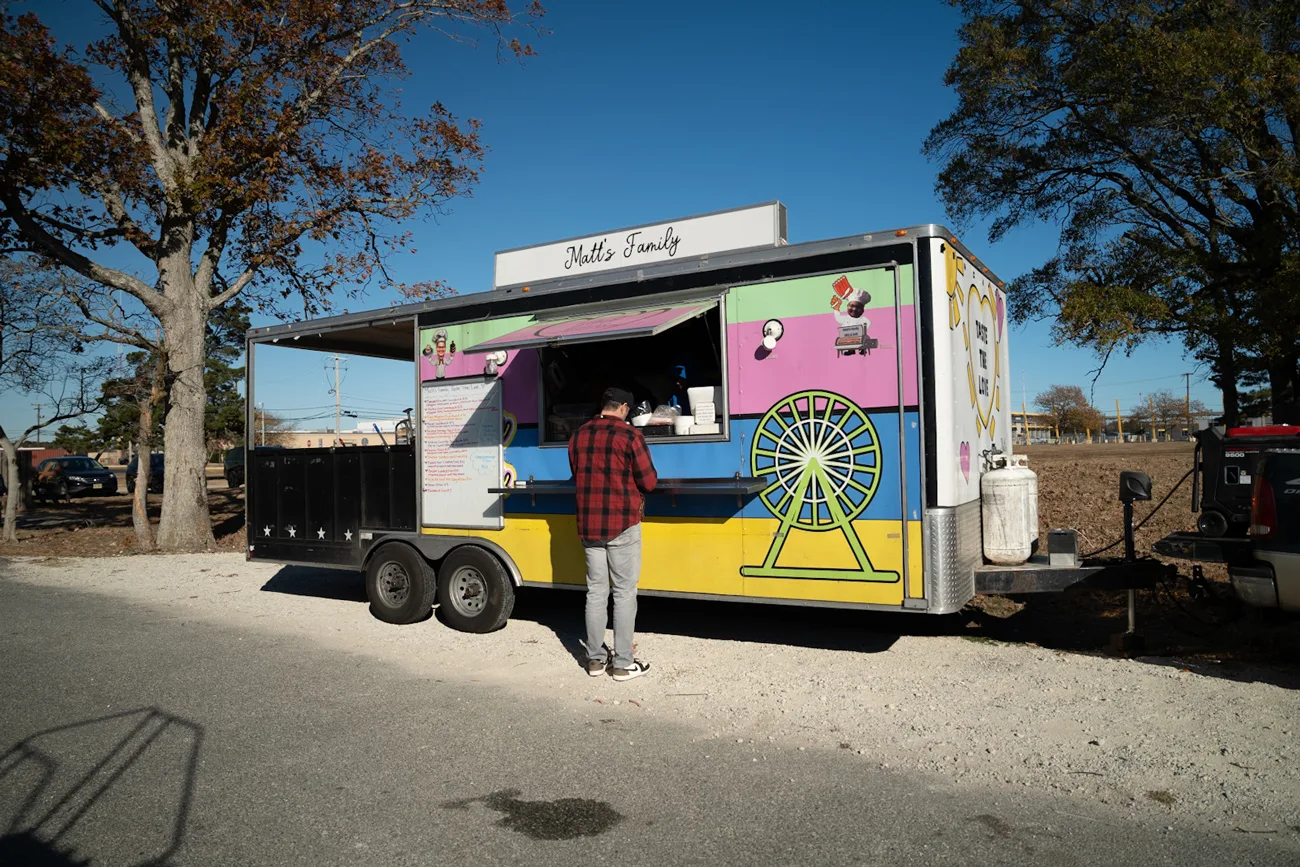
467, 504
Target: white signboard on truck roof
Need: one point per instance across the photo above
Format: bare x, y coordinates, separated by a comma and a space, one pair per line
748, 228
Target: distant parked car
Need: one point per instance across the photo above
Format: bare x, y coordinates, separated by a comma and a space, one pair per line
234, 464
155, 473
1272, 577
67, 477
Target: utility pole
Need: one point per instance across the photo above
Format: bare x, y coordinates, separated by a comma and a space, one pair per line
38, 421
1152, 401
261, 419
1024, 417
338, 399
1119, 421
1188, 403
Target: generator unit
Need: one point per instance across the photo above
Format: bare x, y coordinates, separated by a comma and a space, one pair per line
1225, 464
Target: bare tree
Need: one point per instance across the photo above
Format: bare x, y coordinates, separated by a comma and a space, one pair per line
1069, 409
1168, 412
56, 316
71, 396
253, 134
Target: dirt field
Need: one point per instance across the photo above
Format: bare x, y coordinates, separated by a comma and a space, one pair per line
101, 526
1078, 487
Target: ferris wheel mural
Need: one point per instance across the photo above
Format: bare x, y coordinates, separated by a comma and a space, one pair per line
821, 457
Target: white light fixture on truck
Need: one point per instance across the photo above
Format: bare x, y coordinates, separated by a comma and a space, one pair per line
494, 360
773, 330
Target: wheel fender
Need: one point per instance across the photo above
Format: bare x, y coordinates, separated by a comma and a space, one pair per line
497, 551
433, 548
375, 549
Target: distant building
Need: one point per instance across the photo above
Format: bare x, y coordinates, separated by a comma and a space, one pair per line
318, 439
1038, 429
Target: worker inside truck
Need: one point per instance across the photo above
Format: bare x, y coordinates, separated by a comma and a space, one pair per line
658, 370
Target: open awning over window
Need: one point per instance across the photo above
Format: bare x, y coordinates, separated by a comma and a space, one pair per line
643, 322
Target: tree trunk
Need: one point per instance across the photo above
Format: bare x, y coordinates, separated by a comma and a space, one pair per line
13, 491
185, 524
1226, 374
144, 537
1284, 379
144, 540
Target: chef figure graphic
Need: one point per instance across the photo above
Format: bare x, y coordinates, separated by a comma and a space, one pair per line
443, 354
848, 303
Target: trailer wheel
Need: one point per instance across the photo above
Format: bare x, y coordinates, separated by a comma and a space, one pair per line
474, 591
399, 584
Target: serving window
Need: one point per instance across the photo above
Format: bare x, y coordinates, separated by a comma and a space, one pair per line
672, 357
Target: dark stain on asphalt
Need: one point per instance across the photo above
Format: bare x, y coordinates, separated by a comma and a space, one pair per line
994, 824
562, 819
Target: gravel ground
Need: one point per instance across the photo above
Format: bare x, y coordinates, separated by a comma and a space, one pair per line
1146, 736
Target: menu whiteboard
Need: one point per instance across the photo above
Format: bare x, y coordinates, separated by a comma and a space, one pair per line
461, 453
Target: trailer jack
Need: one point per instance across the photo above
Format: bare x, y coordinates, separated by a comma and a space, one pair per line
1133, 486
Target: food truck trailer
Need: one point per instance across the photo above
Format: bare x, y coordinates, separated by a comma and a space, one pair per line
820, 415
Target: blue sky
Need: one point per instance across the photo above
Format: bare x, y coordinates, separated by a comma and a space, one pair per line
634, 113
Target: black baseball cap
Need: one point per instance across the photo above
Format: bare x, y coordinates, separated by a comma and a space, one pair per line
615, 396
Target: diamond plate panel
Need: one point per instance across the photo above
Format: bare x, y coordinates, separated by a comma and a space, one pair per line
953, 548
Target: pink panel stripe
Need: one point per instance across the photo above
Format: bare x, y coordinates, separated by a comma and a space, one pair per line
519, 379
641, 319
805, 358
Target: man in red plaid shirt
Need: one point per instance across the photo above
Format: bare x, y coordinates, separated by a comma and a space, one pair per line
612, 466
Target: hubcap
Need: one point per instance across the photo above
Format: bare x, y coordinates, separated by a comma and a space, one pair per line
467, 591
394, 585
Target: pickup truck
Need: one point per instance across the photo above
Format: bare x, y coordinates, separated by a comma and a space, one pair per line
1271, 577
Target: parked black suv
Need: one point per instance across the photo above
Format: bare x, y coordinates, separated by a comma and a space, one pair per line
72, 476
1272, 577
155, 473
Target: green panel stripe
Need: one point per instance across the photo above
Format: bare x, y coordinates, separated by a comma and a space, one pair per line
805, 296
469, 333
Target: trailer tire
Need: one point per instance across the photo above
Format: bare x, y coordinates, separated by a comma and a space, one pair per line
475, 593
400, 585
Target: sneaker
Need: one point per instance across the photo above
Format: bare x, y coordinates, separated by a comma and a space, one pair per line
636, 669
597, 667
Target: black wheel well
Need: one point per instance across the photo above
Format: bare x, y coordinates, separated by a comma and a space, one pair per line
374, 550
436, 561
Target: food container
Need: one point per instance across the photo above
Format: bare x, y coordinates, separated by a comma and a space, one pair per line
641, 420
701, 394
682, 424
714, 428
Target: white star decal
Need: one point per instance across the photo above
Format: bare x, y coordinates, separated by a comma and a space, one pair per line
293, 534
347, 536
320, 534
266, 531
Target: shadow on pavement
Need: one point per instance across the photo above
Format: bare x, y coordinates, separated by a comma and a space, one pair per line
1179, 632
1211, 637
561, 611
341, 584
135, 769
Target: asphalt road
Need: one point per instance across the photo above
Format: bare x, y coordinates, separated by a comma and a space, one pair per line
132, 736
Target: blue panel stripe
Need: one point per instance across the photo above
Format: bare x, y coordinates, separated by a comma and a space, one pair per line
720, 459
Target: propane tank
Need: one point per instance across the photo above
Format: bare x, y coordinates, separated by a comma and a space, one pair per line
1009, 509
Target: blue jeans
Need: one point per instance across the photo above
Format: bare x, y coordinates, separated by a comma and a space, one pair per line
616, 562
